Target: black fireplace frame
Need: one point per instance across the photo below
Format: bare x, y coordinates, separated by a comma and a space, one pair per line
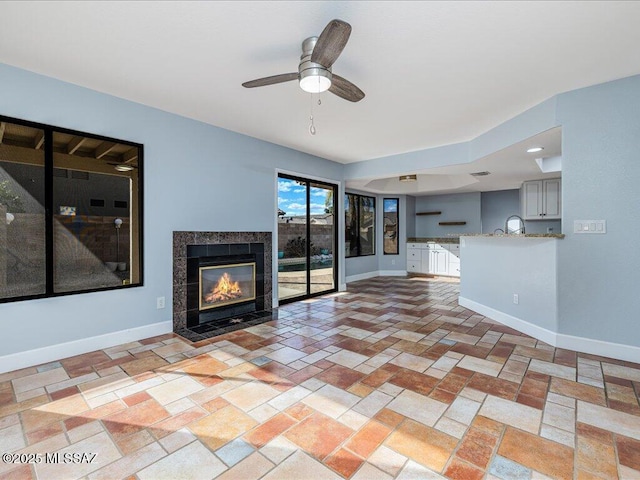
222, 254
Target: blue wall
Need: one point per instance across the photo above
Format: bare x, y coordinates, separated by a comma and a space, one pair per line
598, 275
197, 177
463, 207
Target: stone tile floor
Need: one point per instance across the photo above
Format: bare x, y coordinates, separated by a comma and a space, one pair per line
391, 379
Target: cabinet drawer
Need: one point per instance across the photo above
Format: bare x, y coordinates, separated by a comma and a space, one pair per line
414, 267
414, 255
416, 245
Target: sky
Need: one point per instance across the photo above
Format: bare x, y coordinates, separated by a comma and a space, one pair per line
390, 205
292, 198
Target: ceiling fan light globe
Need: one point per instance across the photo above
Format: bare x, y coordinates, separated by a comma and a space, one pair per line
123, 168
315, 83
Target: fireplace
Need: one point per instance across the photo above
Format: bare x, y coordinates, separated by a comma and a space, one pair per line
222, 285
222, 282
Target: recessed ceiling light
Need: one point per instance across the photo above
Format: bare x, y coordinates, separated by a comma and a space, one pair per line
408, 178
480, 174
535, 149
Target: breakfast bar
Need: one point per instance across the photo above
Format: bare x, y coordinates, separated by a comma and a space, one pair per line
512, 279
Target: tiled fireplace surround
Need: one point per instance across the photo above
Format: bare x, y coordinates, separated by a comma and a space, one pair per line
240, 240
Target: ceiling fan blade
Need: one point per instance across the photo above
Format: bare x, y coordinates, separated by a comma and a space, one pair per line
331, 42
272, 80
345, 89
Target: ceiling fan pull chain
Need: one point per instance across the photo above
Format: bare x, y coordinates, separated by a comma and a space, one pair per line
312, 127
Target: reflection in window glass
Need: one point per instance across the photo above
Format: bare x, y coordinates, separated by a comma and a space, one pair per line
367, 226
22, 212
95, 226
390, 218
360, 232
351, 225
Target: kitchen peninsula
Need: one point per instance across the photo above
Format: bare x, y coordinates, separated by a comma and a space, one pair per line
512, 279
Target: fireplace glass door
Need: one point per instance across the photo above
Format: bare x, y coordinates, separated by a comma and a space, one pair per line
307, 239
223, 285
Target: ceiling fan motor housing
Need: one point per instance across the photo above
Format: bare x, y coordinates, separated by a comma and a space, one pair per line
314, 77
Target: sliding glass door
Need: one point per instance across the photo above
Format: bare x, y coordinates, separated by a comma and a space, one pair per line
307, 240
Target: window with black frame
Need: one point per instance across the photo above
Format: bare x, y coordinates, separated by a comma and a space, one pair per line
390, 207
70, 211
360, 223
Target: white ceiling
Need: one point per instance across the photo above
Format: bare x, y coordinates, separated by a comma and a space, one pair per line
434, 73
507, 168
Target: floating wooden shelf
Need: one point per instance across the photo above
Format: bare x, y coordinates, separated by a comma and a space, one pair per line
428, 213
452, 223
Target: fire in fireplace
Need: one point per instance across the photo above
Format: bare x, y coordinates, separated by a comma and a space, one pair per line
223, 285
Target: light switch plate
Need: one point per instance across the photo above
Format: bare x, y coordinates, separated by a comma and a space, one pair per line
589, 226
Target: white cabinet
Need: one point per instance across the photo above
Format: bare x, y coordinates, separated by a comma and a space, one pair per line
542, 199
439, 261
454, 259
414, 258
433, 258
426, 261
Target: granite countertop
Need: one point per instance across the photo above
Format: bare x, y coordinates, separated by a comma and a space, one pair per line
525, 235
456, 237
451, 239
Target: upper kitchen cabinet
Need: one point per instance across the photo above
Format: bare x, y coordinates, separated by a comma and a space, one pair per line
542, 199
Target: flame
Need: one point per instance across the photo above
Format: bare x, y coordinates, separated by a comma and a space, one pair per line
225, 289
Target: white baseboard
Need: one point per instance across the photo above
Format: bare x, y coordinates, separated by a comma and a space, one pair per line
628, 353
523, 326
377, 273
392, 273
361, 276
59, 351
618, 351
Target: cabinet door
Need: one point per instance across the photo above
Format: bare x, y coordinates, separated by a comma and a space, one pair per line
454, 260
426, 261
454, 267
552, 199
532, 194
440, 262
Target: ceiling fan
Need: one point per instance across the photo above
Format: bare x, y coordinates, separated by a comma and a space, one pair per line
314, 71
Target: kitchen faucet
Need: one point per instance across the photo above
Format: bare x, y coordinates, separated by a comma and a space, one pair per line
519, 229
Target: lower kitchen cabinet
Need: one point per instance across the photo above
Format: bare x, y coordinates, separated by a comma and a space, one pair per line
434, 258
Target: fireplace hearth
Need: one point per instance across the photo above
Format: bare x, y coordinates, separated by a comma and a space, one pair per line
222, 282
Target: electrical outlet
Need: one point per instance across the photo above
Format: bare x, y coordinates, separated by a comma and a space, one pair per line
160, 303
393, 262
516, 299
